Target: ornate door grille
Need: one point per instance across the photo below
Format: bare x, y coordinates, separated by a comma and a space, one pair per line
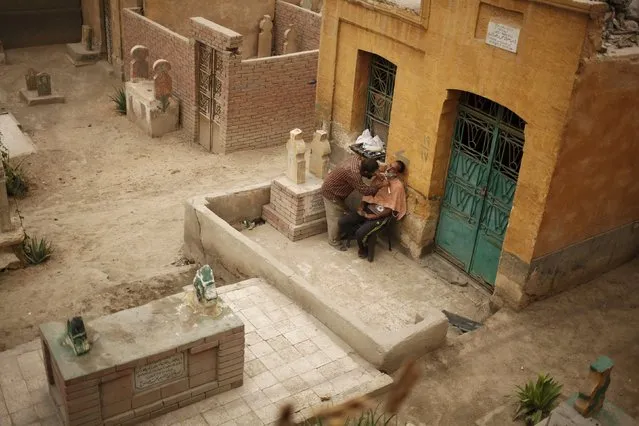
107, 28
487, 149
209, 82
379, 100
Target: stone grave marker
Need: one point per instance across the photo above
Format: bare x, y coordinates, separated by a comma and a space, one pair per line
162, 81
320, 151
265, 38
87, 37
30, 78
306, 4
591, 400
290, 40
296, 163
43, 84
139, 63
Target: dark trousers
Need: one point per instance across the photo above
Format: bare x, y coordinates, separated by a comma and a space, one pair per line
354, 225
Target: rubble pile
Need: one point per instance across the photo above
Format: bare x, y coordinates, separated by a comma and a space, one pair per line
621, 24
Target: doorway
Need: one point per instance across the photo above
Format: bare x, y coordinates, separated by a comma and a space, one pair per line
209, 84
486, 153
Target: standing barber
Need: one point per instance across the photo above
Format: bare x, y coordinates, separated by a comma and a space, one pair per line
339, 183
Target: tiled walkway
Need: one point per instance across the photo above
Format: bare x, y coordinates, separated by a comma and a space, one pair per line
387, 293
289, 357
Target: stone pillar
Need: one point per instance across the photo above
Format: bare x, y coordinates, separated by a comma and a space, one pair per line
265, 38
320, 152
162, 82
139, 63
43, 84
295, 147
87, 37
5, 212
30, 78
290, 40
591, 400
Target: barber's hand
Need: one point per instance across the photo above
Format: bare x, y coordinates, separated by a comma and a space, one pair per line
384, 183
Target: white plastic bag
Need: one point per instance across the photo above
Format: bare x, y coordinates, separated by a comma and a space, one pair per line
364, 138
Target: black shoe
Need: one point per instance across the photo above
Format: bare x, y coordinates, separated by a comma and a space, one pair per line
362, 253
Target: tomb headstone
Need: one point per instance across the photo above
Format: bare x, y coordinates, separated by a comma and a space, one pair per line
162, 82
87, 37
30, 78
296, 163
43, 84
306, 4
320, 151
265, 38
591, 399
3, 57
139, 63
290, 40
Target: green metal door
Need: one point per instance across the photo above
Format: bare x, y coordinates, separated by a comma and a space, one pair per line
487, 148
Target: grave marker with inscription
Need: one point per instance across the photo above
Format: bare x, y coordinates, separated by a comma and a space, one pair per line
160, 372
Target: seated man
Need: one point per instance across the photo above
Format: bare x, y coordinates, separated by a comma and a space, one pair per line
376, 210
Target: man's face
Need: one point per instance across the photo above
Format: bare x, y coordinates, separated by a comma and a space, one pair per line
394, 168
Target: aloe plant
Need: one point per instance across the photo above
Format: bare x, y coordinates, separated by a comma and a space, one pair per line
119, 98
36, 250
537, 399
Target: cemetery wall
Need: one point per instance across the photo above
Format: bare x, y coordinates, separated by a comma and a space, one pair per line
242, 16
164, 44
39, 22
268, 97
306, 22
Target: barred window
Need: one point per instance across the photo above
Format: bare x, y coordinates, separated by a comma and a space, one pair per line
379, 100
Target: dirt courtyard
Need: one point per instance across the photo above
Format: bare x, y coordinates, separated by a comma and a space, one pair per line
111, 201
109, 198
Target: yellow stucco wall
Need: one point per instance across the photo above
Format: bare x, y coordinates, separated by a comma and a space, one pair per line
536, 83
242, 16
595, 187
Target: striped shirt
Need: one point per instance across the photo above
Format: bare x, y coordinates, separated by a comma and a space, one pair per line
344, 179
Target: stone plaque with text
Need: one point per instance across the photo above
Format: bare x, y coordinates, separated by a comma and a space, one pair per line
160, 372
313, 204
502, 36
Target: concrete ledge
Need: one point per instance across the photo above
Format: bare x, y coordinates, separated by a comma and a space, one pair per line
31, 98
79, 56
210, 239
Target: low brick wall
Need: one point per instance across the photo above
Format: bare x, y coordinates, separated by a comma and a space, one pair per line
164, 44
268, 97
306, 22
123, 379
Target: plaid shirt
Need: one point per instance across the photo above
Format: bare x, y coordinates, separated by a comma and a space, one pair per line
345, 178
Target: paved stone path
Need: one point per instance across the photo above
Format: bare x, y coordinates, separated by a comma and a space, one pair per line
289, 357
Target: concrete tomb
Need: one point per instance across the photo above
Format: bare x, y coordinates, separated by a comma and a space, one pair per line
139, 64
145, 361
290, 41
38, 91
86, 52
320, 152
265, 37
150, 103
296, 205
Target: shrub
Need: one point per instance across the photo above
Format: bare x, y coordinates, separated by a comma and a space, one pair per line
36, 250
119, 99
537, 399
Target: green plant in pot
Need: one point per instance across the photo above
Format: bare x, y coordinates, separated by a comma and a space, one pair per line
537, 399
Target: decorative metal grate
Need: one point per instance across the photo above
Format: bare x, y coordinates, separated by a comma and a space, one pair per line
379, 102
206, 95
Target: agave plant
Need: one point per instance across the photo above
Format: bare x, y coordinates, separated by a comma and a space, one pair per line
537, 399
36, 250
119, 99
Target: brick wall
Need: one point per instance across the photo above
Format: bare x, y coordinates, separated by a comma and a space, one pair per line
213, 365
306, 22
165, 44
268, 97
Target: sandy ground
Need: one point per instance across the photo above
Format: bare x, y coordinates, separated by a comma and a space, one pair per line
478, 372
108, 197
110, 200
